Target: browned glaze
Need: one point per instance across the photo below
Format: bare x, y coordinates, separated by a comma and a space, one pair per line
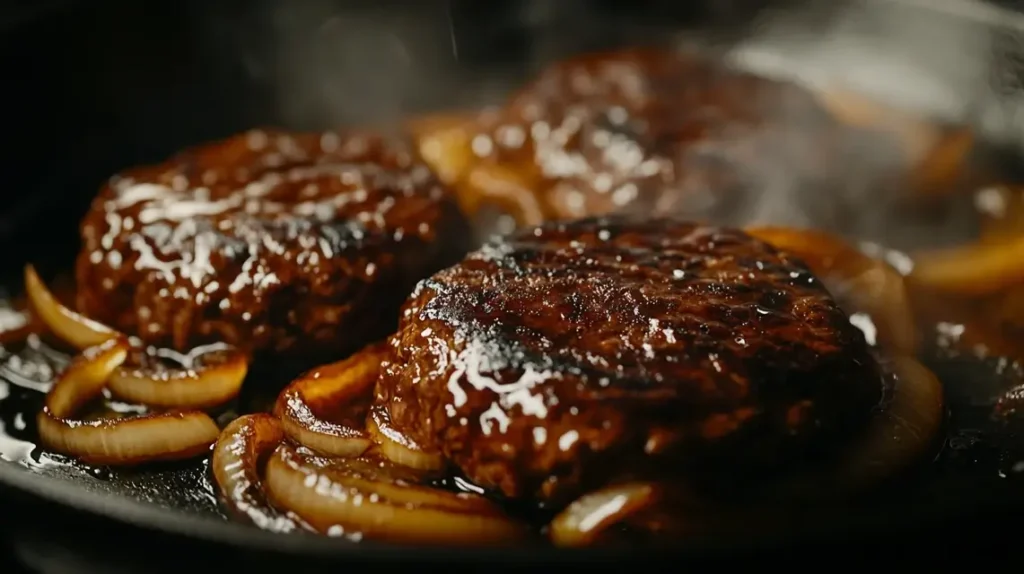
641, 131
568, 355
293, 243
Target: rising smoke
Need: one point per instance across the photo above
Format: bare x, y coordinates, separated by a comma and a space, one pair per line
337, 63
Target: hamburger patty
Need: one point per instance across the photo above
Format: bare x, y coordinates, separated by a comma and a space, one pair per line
638, 131
572, 354
304, 244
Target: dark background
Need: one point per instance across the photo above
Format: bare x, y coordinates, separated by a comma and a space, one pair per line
92, 87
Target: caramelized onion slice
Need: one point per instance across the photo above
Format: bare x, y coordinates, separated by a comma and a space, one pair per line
938, 155
583, 521
444, 143
504, 188
398, 447
189, 388
902, 432
304, 406
396, 483
122, 441
237, 455
332, 507
869, 285
978, 269
72, 328
196, 386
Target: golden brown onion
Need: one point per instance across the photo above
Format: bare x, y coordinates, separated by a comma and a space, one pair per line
72, 328
938, 155
869, 285
902, 432
397, 483
398, 447
491, 184
982, 268
237, 456
193, 387
305, 405
122, 441
583, 521
331, 506
444, 143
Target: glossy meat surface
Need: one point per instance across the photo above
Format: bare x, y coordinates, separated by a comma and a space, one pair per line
636, 131
576, 353
297, 243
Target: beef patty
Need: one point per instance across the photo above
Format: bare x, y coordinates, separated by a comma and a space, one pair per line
296, 243
641, 131
572, 354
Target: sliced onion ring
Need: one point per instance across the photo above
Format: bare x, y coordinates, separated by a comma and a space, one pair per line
398, 447
187, 388
191, 387
303, 405
123, 441
444, 143
71, 327
895, 437
329, 506
499, 186
398, 484
903, 431
983, 268
871, 286
583, 521
237, 455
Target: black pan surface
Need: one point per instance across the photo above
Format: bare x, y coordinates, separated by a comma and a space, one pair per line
168, 74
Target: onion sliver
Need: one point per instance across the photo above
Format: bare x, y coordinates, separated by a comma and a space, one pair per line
398, 490
398, 447
978, 269
870, 285
236, 467
505, 189
582, 522
122, 441
303, 404
330, 506
71, 327
902, 432
191, 388
444, 143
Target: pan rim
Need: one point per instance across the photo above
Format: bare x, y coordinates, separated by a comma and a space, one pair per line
232, 535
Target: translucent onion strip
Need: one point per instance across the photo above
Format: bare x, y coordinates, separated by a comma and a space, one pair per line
194, 387
983, 268
903, 432
190, 388
332, 507
237, 457
74, 329
398, 447
305, 405
583, 521
120, 441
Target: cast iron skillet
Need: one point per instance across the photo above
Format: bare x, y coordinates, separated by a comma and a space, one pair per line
102, 86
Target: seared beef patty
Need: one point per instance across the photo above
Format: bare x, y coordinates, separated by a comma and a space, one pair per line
639, 131
297, 243
576, 353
